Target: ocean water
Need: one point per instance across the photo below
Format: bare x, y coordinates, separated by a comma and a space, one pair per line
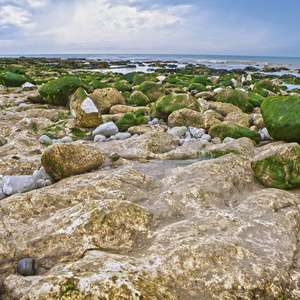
228, 62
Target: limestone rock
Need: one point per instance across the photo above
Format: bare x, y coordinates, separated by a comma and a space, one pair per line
64, 160
224, 108
241, 119
84, 110
152, 90
138, 98
105, 98
144, 128
122, 109
235, 97
278, 166
189, 117
106, 129
35, 97
18, 184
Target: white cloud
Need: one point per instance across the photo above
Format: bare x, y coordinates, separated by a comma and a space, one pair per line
13, 15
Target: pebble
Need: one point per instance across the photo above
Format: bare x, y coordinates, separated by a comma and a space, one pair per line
2, 194
123, 135
22, 104
67, 139
27, 267
265, 132
206, 137
228, 140
114, 156
153, 122
42, 174
40, 183
178, 131
106, 129
18, 184
112, 138
45, 139
196, 132
99, 138
18, 102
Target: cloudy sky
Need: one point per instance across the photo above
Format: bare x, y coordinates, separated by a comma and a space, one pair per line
232, 27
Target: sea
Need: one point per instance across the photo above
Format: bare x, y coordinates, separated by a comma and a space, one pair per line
142, 61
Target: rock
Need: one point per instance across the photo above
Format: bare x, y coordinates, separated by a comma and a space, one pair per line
67, 139
146, 128
2, 140
64, 160
213, 114
122, 109
123, 135
255, 99
131, 119
2, 194
278, 166
206, 137
114, 156
84, 110
35, 97
178, 131
167, 104
189, 117
152, 90
266, 84
229, 140
122, 86
226, 129
18, 184
27, 267
237, 98
153, 122
138, 98
105, 98
45, 139
106, 129
42, 174
196, 132
265, 132
215, 79
13, 80
58, 91
40, 183
224, 108
27, 86
241, 119
281, 117
99, 138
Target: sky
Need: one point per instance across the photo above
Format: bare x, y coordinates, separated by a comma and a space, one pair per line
208, 27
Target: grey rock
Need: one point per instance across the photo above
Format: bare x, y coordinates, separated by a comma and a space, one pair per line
57, 141
123, 135
67, 139
42, 174
99, 138
18, 102
22, 105
106, 129
228, 140
2, 194
265, 132
206, 137
40, 183
112, 138
178, 131
27, 267
48, 182
18, 184
153, 122
44, 139
196, 132
114, 156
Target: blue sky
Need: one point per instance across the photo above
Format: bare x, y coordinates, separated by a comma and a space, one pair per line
231, 27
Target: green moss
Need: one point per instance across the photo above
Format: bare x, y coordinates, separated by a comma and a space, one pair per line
34, 127
281, 117
255, 99
99, 84
197, 87
226, 129
69, 290
266, 84
129, 76
15, 69
237, 98
152, 90
126, 121
122, 86
283, 173
138, 79
78, 133
63, 116
199, 79
138, 98
217, 153
14, 80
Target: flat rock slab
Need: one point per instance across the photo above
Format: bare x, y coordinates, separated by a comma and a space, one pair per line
64, 160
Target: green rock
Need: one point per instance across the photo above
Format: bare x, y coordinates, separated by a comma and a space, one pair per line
15, 70
227, 129
131, 119
172, 102
199, 87
97, 84
138, 79
235, 97
199, 79
281, 116
123, 86
278, 167
14, 80
266, 84
129, 76
138, 98
59, 90
152, 90
255, 99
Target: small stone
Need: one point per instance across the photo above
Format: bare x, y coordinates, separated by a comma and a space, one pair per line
114, 156
196, 132
112, 138
99, 138
153, 122
40, 183
178, 131
67, 139
42, 174
206, 137
45, 139
2, 140
123, 135
2, 194
22, 104
228, 140
265, 132
48, 182
27, 267
106, 129
18, 184
56, 141
18, 102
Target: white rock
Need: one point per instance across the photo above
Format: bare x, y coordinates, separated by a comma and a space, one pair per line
88, 106
228, 140
178, 131
106, 129
206, 137
18, 184
196, 132
44, 139
265, 132
67, 139
123, 135
99, 138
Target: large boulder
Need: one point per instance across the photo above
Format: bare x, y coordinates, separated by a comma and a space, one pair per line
224, 108
266, 84
138, 98
58, 91
152, 90
64, 160
123, 86
105, 98
84, 110
281, 117
131, 119
237, 98
278, 166
123, 109
167, 104
227, 129
189, 117
13, 80
241, 119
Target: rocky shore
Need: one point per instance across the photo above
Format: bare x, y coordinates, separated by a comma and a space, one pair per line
181, 183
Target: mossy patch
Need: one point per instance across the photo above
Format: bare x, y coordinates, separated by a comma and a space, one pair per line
131, 119
14, 80
152, 90
255, 99
237, 98
267, 84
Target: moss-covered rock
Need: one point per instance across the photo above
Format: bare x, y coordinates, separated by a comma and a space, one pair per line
224, 108
172, 102
235, 97
129, 76
198, 87
138, 98
267, 84
241, 119
278, 166
97, 84
281, 117
84, 110
123, 86
138, 79
105, 98
131, 119
255, 99
199, 79
152, 90
59, 90
227, 129
15, 69
14, 80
